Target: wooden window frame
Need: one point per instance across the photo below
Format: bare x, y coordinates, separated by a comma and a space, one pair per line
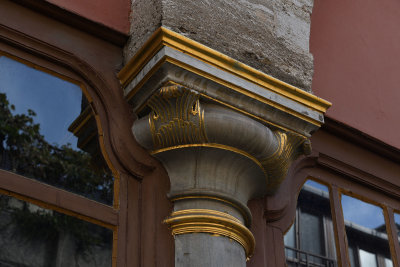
341, 178
102, 89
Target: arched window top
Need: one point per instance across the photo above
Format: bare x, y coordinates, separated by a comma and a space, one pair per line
48, 132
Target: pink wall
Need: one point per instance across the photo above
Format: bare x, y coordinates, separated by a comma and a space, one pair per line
112, 13
356, 48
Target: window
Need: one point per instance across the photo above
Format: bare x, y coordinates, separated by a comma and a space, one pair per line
366, 233
310, 240
53, 177
365, 224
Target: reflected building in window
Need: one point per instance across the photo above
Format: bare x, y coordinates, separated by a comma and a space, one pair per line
311, 242
367, 238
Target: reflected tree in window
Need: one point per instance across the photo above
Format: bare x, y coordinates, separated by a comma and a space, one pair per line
24, 150
48, 132
32, 236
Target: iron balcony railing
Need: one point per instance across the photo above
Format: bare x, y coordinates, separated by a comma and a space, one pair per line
298, 258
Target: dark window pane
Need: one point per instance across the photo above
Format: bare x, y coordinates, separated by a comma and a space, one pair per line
32, 236
47, 132
311, 238
366, 233
311, 233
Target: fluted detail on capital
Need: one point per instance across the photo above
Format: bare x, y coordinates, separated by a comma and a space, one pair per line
217, 160
176, 117
290, 147
179, 120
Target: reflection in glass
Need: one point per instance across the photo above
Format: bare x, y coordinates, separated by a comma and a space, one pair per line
32, 236
367, 259
47, 132
310, 241
397, 222
366, 234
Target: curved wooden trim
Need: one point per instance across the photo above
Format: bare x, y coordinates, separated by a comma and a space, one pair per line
106, 100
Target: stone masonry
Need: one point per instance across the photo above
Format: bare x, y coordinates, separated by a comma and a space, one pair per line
269, 35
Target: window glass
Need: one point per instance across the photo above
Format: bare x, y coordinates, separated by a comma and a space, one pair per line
397, 222
32, 236
388, 262
311, 240
290, 241
47, 132
367, 259
366, 233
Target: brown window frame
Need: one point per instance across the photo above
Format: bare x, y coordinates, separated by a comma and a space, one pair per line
341, 178
126, 167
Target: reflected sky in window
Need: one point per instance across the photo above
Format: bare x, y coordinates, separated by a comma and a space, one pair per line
317, 185
35, 146
362, 213
57, 103
397, 223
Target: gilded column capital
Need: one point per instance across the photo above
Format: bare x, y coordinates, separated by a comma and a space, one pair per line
176, 117
225, 133
181, 119
216, 158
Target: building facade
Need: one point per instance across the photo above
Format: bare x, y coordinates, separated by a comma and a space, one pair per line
195, 133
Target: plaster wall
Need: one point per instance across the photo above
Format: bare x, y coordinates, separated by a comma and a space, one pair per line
111, 13
356, 50
269, 35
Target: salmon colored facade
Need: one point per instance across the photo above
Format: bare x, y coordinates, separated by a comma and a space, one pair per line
209, 155
355, 45
113, 14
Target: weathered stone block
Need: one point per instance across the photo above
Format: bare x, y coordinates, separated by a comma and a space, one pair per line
269, 35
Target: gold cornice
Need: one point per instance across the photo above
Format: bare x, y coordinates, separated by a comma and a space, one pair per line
80, 121
237, 89
164, 37
212, 222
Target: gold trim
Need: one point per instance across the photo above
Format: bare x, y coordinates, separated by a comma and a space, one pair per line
129, 96
208, 211
81, 120
222, 82
164, 37
176, 117
214, 145
244, 91
290, 146
240, 209
211, 222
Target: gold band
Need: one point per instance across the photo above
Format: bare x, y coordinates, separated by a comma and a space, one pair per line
245, 213
212, 222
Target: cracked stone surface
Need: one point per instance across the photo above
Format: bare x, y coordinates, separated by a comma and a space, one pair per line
269, 35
